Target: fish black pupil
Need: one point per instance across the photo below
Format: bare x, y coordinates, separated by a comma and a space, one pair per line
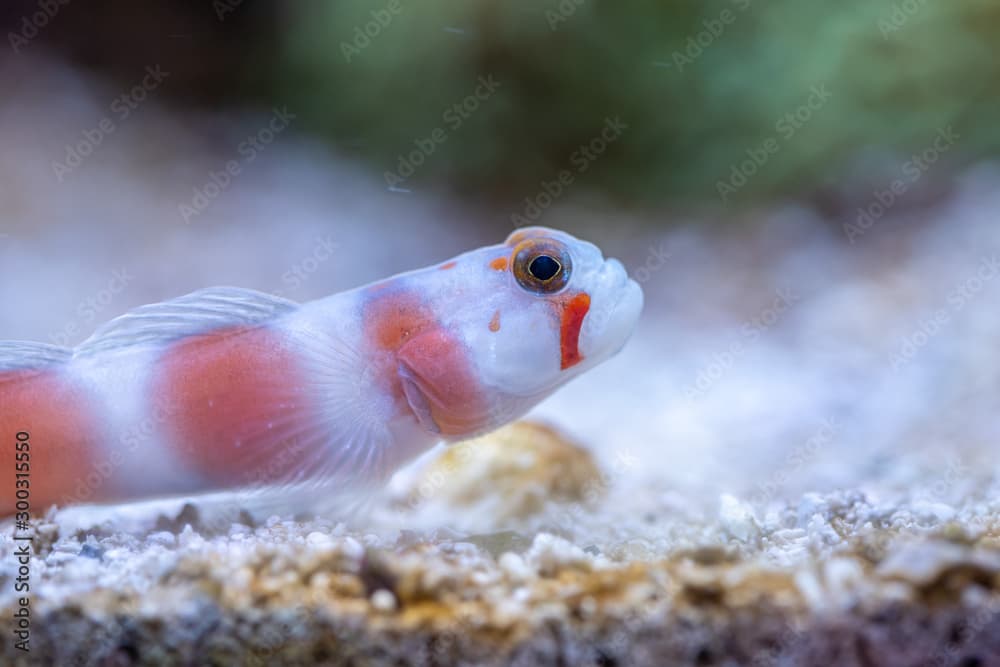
544, 267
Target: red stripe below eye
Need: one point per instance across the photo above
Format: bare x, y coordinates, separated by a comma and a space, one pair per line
573, 312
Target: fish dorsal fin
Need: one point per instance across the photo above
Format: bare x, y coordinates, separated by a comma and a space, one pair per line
197, 312
18, 355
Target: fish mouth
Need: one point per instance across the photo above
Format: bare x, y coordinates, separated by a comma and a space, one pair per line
439, 413
625, 314
608, 332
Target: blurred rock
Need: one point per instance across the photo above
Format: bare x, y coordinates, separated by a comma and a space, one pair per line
511, 473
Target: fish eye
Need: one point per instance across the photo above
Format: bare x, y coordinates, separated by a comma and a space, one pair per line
541, 265
544, 267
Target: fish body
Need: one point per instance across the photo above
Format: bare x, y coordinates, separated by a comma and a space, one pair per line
229, 388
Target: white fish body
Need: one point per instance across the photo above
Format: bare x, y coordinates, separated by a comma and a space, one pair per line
229, 388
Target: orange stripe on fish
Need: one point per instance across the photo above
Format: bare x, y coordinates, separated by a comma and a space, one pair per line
65, 436
234, 392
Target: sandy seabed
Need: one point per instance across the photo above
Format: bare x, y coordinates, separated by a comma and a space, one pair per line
835, 578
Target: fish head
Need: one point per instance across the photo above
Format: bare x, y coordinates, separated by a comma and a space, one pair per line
524, 317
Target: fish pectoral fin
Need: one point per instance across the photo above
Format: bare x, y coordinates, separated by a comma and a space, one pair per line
440, 385
354, 407
198, 312
417, 401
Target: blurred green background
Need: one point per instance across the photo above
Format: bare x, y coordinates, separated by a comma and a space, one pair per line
837, 95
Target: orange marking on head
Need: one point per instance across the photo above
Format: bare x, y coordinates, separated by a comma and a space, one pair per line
226, 389
523, 234
378, 287
499, 264
495, 322
573, 311
64, 440
448, 265
392, 318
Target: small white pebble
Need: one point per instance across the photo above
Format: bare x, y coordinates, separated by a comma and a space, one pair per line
352, 548
821, 533
931, 511
317, 538
922, 562
56, 558
514, 566
465, 550
811, 589
70, 546
507, 612
844, 577
549, 552
188, 538
383, 600
162, 538
738, 518
521, 594
483, 579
